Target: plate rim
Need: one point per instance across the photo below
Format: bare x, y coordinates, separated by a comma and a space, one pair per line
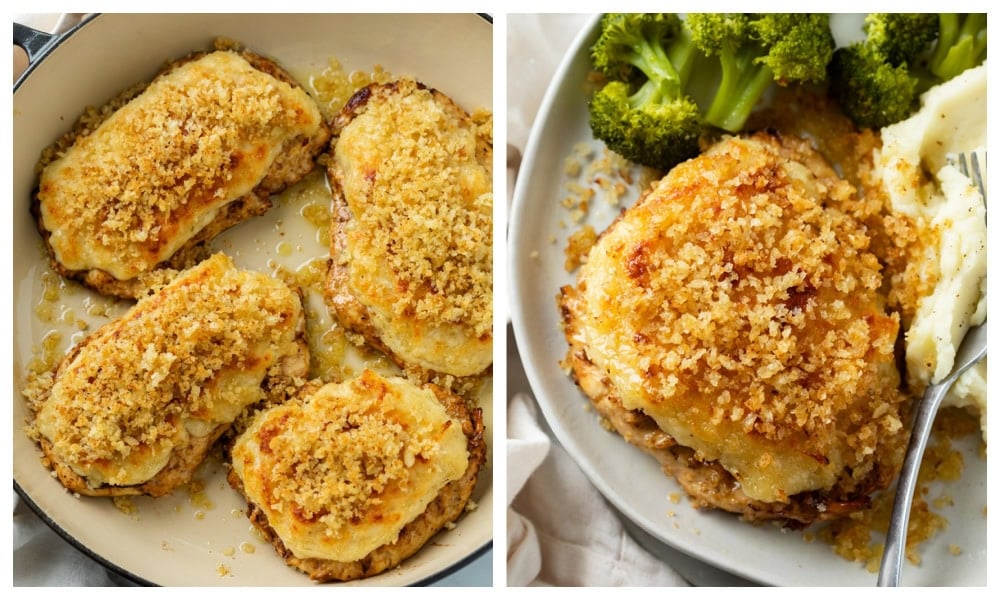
527, 343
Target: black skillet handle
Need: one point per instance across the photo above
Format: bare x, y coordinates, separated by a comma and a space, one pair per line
32, 40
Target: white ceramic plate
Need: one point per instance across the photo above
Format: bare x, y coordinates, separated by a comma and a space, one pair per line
204, 538
629, 478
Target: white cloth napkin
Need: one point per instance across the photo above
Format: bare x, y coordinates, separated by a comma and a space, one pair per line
42, 558
560, 530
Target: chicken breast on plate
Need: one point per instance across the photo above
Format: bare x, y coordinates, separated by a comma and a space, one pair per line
731, 323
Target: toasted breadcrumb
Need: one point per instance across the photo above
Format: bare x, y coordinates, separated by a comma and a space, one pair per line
125, 505
137, 381
754, 333
857, 537
124, 198
338, 477
411, 239
591, 176
426, 228
897, 242
578, 246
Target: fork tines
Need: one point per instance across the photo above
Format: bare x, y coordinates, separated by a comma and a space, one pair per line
976, 173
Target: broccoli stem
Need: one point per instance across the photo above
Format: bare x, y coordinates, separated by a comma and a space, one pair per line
652, 60
670, 67
742, 85
648, 93
960, 44
681, 53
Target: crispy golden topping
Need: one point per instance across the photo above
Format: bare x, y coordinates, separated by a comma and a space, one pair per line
428, 217
195, 352
578, 245
127, 195
357, 452
342, 469
738, 305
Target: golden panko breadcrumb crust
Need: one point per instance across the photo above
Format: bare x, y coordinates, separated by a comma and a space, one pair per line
731, 323
142, 184
135, 407
348, 480
411, 264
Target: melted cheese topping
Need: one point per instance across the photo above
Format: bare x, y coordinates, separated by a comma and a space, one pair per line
124, 198
419, 244
342, 472
738, 307
175, 366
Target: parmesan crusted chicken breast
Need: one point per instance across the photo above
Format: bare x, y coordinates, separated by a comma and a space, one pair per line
349, 479
135, 407
142, 185
731, 324
411, 236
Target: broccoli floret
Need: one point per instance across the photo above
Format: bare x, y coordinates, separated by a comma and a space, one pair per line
900, 36
643, 42
646, 111
637, 126
643, 112
870, 89
878, 81
756, 50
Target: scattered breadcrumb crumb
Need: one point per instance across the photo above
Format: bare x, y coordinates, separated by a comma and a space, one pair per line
125, 505
578, 246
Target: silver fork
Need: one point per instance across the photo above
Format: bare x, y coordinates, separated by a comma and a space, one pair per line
971, 351
976, 174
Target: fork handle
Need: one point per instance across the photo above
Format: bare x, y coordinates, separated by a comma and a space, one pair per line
895, 539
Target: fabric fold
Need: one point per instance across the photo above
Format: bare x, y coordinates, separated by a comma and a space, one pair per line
560, 529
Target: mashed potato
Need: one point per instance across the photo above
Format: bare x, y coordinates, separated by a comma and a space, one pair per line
951, 214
